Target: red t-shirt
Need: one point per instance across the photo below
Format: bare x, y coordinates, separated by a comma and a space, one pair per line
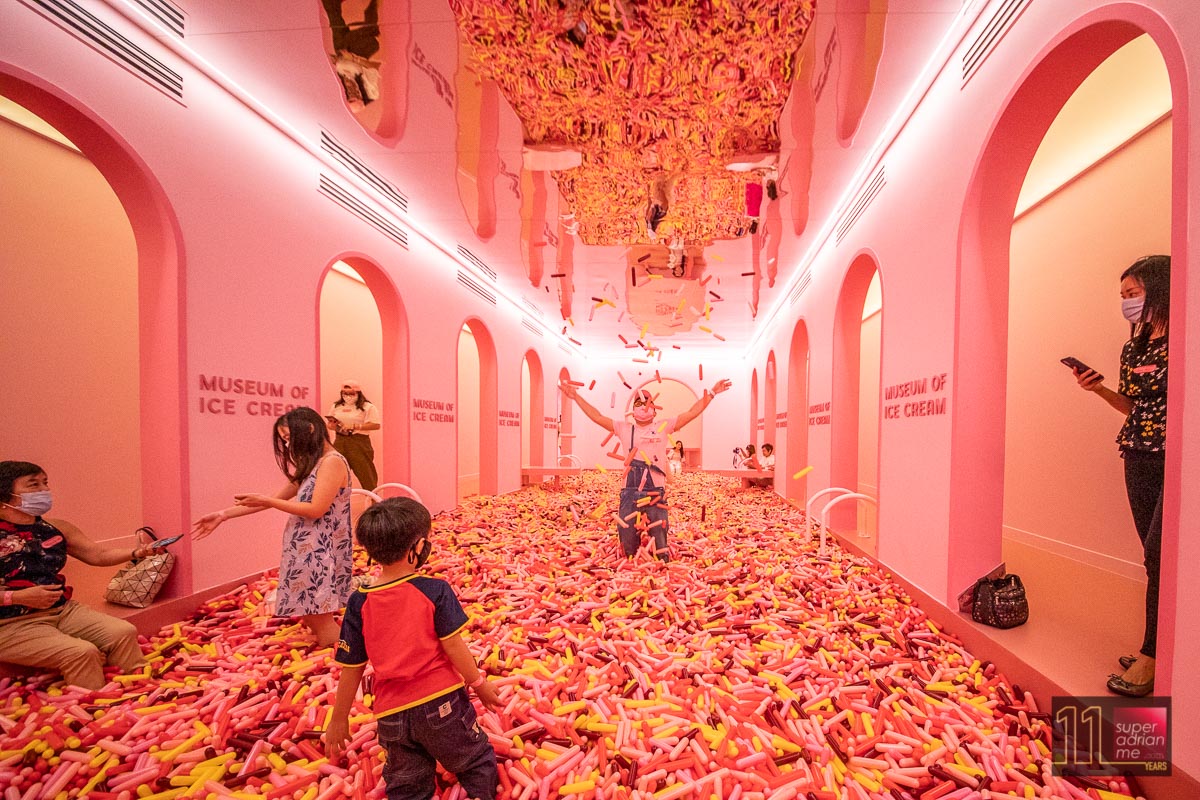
398, 626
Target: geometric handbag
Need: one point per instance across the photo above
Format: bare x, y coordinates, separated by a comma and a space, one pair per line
137, 583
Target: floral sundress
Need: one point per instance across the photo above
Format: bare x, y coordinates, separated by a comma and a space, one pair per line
316, 568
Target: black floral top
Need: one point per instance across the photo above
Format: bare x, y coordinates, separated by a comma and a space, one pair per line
1144, 380
31, 555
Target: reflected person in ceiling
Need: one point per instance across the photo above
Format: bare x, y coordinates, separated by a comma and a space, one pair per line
643, 506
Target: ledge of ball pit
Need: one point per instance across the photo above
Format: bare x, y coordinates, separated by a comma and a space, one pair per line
747, 475
531, 475
988, 643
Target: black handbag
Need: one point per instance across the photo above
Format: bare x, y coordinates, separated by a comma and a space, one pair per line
1000, 602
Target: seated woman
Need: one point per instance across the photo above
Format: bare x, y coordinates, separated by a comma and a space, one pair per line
749, 459
40, 625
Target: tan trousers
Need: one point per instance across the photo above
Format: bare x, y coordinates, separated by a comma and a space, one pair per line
74, 640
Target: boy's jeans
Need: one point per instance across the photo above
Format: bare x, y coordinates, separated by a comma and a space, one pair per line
445, 730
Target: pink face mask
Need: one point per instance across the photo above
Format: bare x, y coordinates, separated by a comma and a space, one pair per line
643, 413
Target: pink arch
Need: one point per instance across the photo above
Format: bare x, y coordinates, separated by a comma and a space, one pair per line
753, 408
797, 413
397, 465
489, 409
977, 443
770, 401
847, 341
537, 410
163, 383
566, 430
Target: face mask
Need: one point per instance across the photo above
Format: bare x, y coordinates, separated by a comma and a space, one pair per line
421, 553
1131, 308
643, 413
35, 504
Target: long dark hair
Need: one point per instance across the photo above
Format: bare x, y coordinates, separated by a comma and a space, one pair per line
362, 400
1154, 274
307, 437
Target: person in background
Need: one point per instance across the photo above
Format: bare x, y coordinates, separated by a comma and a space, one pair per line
352, 418
422, 667
766, 461
675, 459
1141, 396
647, 442
40, 625
316, 567
749, 458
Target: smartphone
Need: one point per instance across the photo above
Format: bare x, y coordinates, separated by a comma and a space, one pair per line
1078, 366
161, 543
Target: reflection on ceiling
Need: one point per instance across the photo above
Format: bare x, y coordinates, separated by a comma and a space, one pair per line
660, 118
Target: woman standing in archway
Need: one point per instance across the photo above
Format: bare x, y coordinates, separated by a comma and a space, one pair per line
1142, 397
352, 417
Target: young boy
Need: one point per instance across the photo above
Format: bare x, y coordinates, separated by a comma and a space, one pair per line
410, 628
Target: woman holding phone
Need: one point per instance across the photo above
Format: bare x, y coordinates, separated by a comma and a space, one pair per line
40, 625
1141, 396
352, 418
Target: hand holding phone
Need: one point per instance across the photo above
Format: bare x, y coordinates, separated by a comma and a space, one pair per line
162, 544
1079, 366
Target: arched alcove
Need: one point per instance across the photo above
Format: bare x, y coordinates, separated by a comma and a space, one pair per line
477, 113
854, 354
797, 415
860, 30
752, 435
990, 238
566, 430
363, 335
770, 403
147, 459
375, 87
533, 411
478, 415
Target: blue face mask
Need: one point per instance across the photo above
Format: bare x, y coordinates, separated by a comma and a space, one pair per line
1131, 308
35, 504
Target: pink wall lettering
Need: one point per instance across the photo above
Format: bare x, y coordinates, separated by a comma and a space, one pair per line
818, 413
281, 398
432, 410
927, 407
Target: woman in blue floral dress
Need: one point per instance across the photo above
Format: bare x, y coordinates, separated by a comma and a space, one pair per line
315, 570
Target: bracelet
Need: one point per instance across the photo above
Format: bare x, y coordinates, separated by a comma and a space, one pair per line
7, 598
475, 684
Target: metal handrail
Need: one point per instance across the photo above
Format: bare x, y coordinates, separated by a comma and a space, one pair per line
834, 502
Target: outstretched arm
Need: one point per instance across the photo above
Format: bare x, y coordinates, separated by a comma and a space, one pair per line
588, 409
701, 404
